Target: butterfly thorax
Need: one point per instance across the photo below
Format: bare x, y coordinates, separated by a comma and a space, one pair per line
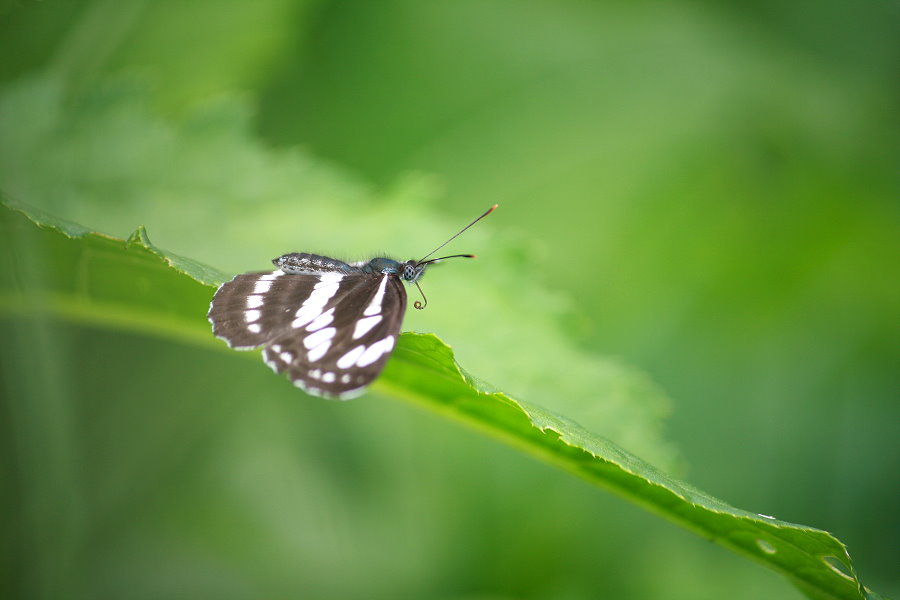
408, 271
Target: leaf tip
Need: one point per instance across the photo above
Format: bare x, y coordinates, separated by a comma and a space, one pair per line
139, 237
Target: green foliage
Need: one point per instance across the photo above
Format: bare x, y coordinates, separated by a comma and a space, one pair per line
706, 192
213, 210
64, 269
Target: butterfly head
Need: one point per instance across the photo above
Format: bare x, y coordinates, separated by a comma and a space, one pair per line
412, 270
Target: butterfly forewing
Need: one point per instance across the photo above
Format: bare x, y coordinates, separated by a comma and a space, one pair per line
343, 349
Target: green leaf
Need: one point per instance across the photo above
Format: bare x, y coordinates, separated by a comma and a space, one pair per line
54, 266
208, 189
65, 269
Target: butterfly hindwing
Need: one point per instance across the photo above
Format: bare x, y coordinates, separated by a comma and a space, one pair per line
252, 308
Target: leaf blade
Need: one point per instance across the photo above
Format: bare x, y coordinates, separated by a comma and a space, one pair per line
67, 270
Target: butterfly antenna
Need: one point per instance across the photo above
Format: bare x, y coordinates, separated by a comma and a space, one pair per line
487, 212
434, 260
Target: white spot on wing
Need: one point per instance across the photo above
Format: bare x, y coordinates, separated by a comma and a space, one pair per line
375, 351
252, 315
328, 377
345, 378
287, 357
272, 275
319, 337
334, 277
349, 359
374, 307
322, 292
271, 363
365, 325
254, 301
325, 289
350, 394
305, 314
321, 321
309, 390
254, 328
262, 286
318, 352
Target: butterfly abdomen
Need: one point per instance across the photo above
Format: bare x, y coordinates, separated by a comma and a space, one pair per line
303, 262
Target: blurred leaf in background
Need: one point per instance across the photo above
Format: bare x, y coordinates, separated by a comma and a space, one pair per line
707, 191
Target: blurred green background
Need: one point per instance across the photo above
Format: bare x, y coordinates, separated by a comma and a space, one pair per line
704, 191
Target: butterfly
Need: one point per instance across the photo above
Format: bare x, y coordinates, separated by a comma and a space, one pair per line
330, 325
